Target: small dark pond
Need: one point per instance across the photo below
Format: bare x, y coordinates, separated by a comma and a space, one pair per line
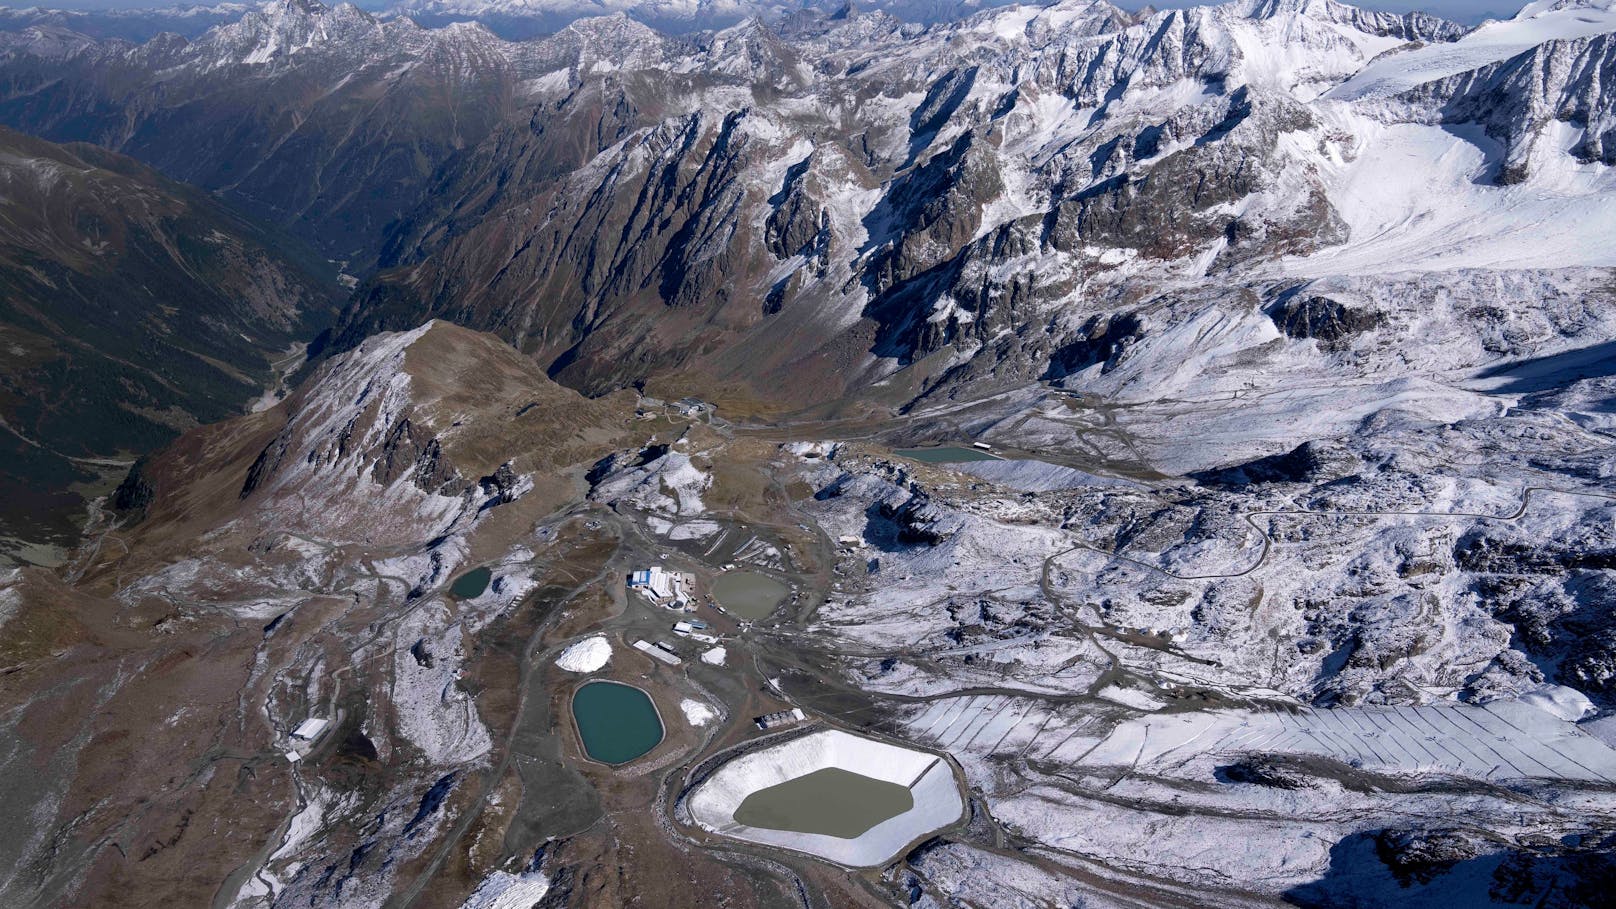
472, 584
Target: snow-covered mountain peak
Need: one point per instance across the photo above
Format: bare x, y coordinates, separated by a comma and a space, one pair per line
1539, 7
613, 27
303, 7
1327, 10
1490, 43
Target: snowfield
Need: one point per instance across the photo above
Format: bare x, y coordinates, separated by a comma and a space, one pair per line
1536, 23
503, 890
1502, 741
1422, 198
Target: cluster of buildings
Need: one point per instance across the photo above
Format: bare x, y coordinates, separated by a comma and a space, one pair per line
673, 590
662, 587
695, 630
689, 408
780, 718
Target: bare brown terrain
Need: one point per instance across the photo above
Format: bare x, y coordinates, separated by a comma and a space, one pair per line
153, 681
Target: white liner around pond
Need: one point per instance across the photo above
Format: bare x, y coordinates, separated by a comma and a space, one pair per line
929, 778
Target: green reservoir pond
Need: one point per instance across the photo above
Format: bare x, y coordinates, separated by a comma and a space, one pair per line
830, 802
947, 454
617, 722
749, 595
471, 584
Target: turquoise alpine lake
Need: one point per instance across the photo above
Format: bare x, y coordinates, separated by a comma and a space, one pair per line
616, 722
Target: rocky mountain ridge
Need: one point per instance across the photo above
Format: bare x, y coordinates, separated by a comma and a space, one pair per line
1286, 581
608, 176
943, 212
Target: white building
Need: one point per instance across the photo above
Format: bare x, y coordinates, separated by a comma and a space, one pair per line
655, 581
658, 651
310, 729
303, 737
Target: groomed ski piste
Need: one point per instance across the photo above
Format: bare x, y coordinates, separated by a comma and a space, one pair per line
929, 779
1500, 741
1504, 740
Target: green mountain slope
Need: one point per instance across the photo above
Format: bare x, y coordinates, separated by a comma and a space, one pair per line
131, 308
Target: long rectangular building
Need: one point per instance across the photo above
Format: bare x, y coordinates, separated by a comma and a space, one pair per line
657, 651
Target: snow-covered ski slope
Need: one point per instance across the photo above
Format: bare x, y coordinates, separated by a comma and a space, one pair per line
1497, 741
1500, 741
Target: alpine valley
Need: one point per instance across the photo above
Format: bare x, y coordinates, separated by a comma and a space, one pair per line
1020, 455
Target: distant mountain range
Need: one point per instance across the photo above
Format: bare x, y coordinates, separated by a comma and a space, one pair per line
518, 19
132, 24
512, 19
1017, 196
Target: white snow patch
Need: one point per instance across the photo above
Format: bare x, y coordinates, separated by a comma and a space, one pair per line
693, 530
1131, 697
1568, 704
588, 655
697, 713
503, 890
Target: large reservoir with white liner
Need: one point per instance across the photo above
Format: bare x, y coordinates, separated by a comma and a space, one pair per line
851, 800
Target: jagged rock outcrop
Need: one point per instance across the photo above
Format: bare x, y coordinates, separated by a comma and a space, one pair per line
1322, 318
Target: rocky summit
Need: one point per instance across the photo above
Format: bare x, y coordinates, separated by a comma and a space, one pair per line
518, 453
